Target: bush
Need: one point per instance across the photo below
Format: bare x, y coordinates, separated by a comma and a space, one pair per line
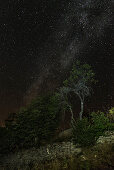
86, 132
6, 140
82, 133
100, 123
37, 123
111, 114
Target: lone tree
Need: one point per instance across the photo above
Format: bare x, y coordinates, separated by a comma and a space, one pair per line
79, 82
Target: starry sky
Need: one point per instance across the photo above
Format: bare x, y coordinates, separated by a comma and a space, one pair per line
39, 41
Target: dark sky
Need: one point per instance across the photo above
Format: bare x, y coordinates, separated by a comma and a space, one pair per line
40, 39
24, 27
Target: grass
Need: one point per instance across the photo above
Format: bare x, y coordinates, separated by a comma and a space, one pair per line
99, 157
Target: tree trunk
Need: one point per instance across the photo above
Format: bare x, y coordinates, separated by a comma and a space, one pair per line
72, 116
82, 109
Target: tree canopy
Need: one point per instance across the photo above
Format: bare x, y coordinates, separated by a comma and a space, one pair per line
79, 82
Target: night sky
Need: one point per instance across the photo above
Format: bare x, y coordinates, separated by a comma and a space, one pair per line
39, 41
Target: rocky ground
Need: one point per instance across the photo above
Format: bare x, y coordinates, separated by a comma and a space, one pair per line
50, 152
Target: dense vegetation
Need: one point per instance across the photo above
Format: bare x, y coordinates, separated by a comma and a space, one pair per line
87, 131
79, 83
33, 126
36, 124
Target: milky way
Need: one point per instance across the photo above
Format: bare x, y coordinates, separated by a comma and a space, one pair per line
39, 41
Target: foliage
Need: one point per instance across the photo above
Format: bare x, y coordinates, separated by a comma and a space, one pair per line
86, 132
111, 111
82, 133
101, 123
6, 140
38, 122
79, 82
80, 71
33, 126
64, 101
111, 114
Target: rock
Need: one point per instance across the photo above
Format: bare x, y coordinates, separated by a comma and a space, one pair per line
109, 138
49, 152
64, 135
44, 153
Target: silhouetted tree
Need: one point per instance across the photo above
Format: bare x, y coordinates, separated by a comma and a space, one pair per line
79, 82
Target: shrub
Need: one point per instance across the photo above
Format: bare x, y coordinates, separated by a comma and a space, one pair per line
82, 133
86, 132
100, 123
6, 140
111, 114
37, 123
